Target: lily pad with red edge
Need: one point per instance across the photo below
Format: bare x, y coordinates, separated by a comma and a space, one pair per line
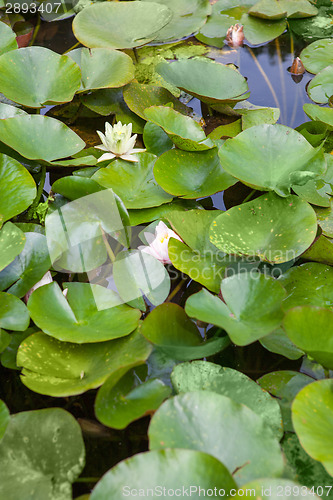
251, 308
273, 228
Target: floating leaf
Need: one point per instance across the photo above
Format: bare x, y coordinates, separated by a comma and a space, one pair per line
187, 17
12, 241
325, 220
46, 446
39, 137
300, 324
17, 188
298, 8
28, 267
102, 67
320, 88
13, 313
91, 313
8, 111
4, 418
150, 214
275, 229
314, 28
134, 183
203, 78
319, 113
320, 251
279, 343
317, 55
156, 140
123, 399
120, 25
311, 413
271, 157
191, 174
36, 76
205, 376
74, 187
229, 431
8, 39
62, 369
268, 9
308, 284
251, 310
145, 471
258, 31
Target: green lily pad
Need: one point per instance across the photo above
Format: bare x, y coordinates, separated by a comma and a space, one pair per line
75, 231
298, 8
102, 67
206, 376
136, 274
320, 251
12, 241
229, 431
320, 88
28, 267
309, 284
271, 157
46, 446
253, 115
185, 133
187, 17
40, 137
13, 313
317, 55
258, 31
8, 355
300, 324
284, 386
319, 113
185, 469
4, 418
276, 488
8, 111
325, 220
74, 187
203, 78
8, 39
275, 229
91, 313
139, 96
61, 369
155, 139
17, 188
151, 214
268, 9
279, 343
169, 328
123, 399
36, 76
134, 183
314, 28
311, 414
120, 25
191, 174
251, 310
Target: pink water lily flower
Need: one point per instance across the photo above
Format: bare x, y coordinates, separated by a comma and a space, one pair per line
235, 36
118, 142
158, 243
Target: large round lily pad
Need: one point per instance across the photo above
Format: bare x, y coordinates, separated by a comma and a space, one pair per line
62, 369
308, 284
174, 470
258, 31
320, 89
135, 184
203, 78
251, 310
17, 188
8, 39
312, 419
120, 25
215, 424
40, 137
206, 376
47, 449
12, 241
187, 17
318, 55
35, 76
271, 157
273, 228
89, 313
122, 400
311, 329
13, 313
186, 133
191, 174
103, 67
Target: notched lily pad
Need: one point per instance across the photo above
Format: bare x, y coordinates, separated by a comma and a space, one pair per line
317, 55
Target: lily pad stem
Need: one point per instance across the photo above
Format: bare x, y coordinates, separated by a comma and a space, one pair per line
107, 246
34, 36
249, 196
176, 290
87, 480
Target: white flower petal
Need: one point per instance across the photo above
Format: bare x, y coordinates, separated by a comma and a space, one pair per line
103, 139
106, 156
102, 147
138, 150
128, 157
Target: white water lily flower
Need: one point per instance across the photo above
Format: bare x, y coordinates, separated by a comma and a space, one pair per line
118, 142
158, 243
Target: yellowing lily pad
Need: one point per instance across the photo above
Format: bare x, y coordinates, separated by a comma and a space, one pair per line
36, 76
12, 241
273, 228
120, 25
